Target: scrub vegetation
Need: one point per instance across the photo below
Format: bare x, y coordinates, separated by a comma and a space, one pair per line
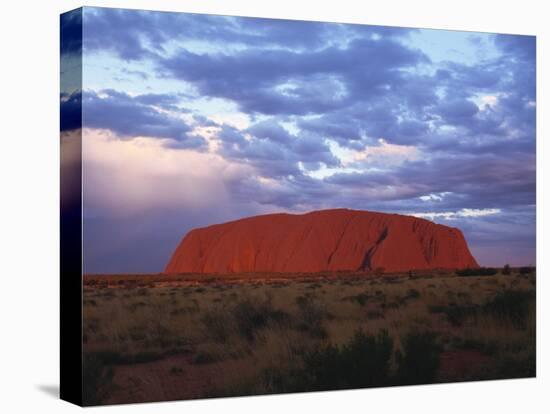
152, 338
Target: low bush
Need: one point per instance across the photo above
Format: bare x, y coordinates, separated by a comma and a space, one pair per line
252, 316
412, 294
455, 314
418, 361
311, 317
513, 306
363, 362
360, 298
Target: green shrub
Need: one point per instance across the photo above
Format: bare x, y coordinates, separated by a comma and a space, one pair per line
360, 298
311, 317
412, 294
457, 314
418, 362
363, 362
252, 316
512, 306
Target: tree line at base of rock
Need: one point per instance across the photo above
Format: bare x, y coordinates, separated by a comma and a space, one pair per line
490, 271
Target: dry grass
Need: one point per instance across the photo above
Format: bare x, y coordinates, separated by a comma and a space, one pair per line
246, 329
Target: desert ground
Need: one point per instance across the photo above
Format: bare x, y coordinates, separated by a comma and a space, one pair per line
157, 337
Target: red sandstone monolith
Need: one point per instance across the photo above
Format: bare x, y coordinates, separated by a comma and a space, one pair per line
327, 240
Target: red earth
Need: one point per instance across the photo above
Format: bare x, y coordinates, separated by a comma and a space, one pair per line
326, 240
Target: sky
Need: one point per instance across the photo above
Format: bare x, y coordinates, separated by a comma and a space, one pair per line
190, 120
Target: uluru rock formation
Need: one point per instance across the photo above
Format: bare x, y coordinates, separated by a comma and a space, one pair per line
326, 240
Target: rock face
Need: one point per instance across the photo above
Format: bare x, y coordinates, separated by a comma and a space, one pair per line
327, 240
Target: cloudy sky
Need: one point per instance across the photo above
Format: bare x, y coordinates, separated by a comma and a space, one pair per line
191, 120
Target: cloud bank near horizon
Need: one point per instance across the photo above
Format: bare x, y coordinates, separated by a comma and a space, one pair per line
195, 119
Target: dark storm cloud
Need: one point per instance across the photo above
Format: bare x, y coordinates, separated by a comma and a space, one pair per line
271, 130
122, 32
129, 116
466, 181
484, 181
517, 46
458, 111
331, 125
307, 34
412, 128
278, 81
361, 89
475, 181
291, 192
166, 101
464, 79
425, 118
274, 151
138, 34
364, 122
485, 161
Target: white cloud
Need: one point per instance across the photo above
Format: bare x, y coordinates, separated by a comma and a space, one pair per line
453, 215
487, 101
490, 100
238, 120
434, 196
373, 157
387, 153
